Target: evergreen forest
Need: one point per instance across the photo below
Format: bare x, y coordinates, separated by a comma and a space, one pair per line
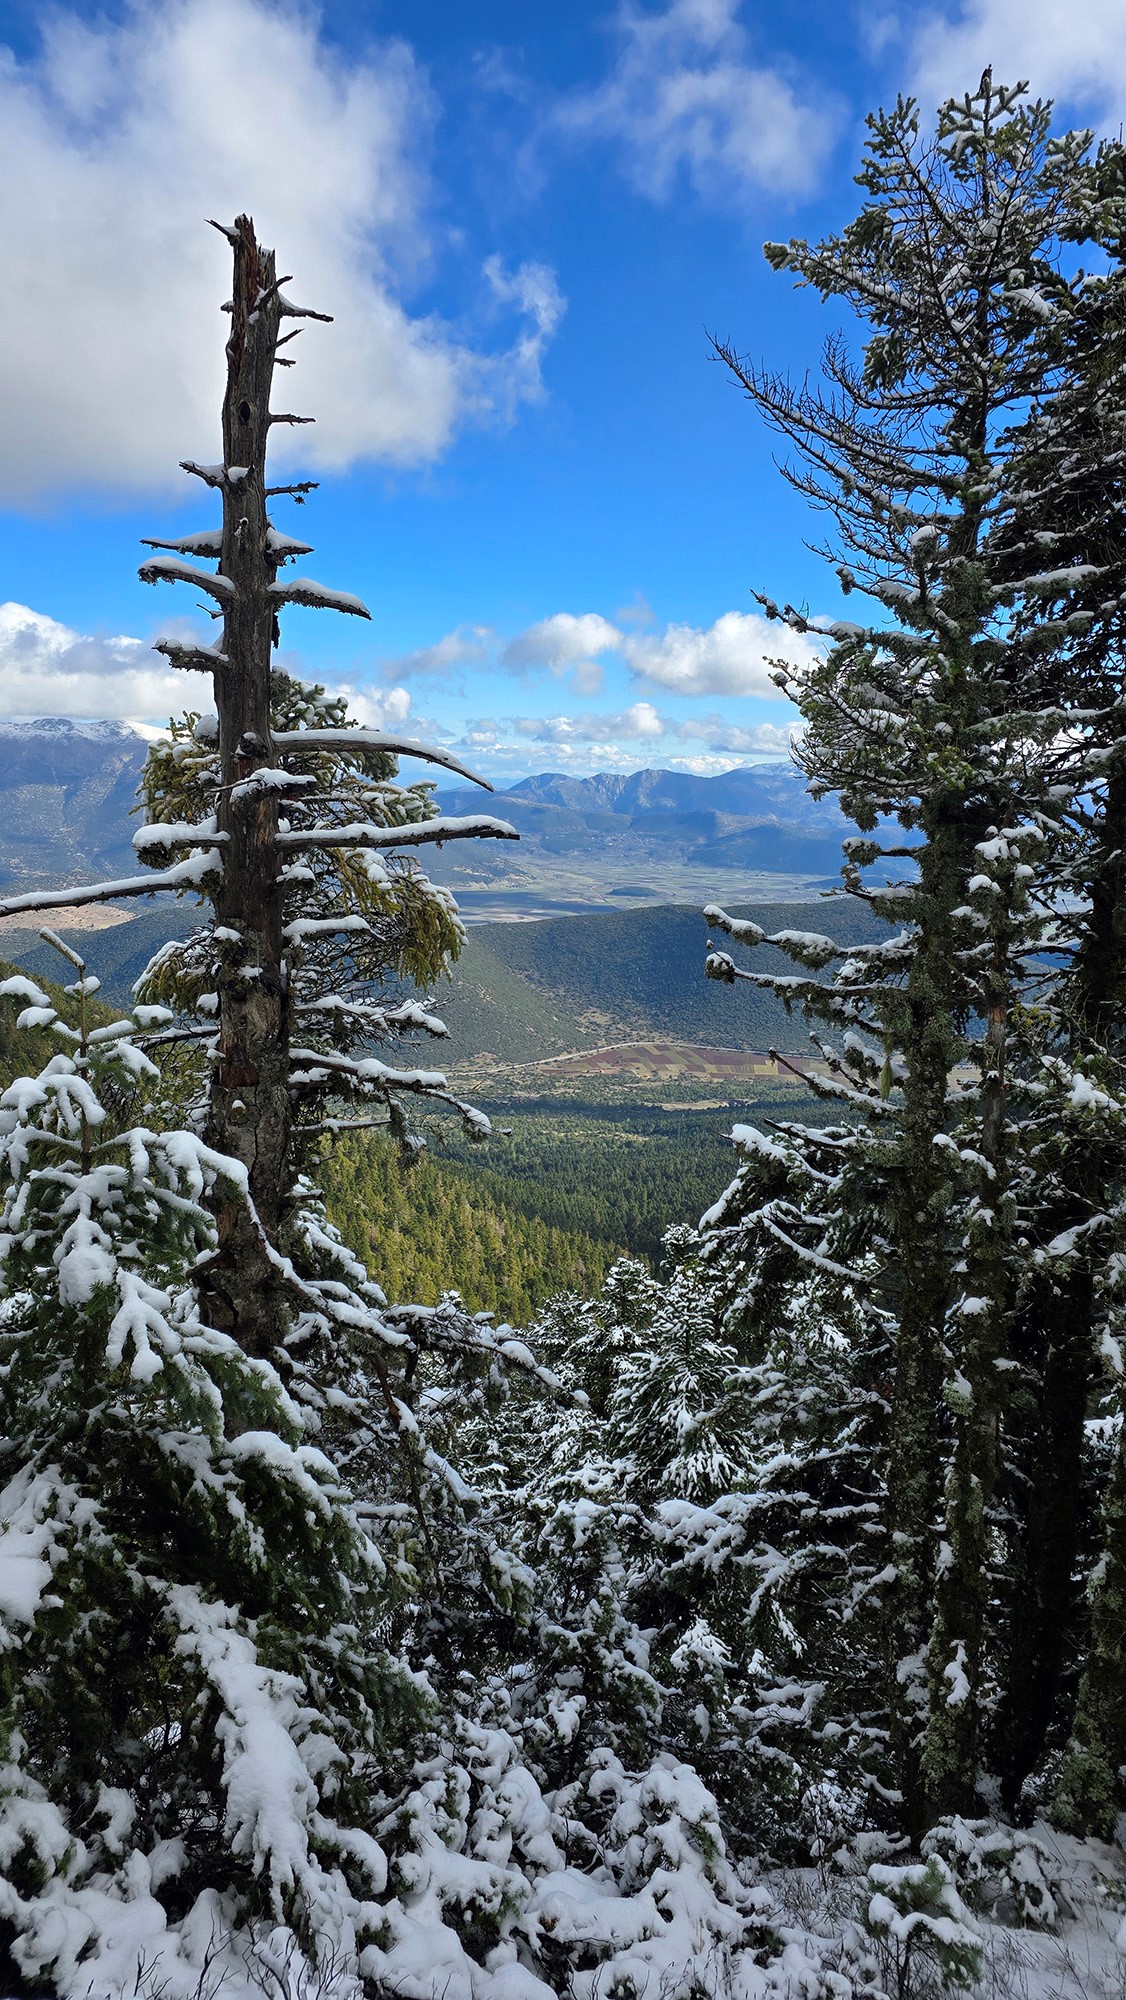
467, 1551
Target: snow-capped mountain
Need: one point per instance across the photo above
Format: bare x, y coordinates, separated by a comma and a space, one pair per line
66, 793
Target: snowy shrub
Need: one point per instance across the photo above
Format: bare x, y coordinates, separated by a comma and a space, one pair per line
1003, 1871
193, 1702
926, 1932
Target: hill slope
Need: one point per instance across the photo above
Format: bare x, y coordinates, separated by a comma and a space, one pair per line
523, 991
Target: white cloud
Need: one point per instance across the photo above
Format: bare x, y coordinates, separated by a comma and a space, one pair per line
765, 737
565, 644
47, 669
1073, 51
389, 711
533, 291
506, 761
444, 658
641, 723
731, 657
684, 98
116, 141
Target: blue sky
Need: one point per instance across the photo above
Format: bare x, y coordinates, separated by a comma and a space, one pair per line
526, 219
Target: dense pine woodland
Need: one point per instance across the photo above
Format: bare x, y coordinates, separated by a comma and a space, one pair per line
755, 1626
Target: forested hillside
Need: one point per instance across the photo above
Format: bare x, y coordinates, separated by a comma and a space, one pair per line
429, 1226
520, 992
523, 991
558, 1192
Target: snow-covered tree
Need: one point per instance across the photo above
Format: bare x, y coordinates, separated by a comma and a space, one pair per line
204, 1662
946, 711
1068, 463
197, 1714
283, 1700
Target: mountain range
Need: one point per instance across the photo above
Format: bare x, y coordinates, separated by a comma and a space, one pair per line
593, 970
67, 791
586, 844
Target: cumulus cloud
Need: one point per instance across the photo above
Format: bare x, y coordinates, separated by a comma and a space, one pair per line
565, 644
1074, 52
116, 140
685, 99
765, 737
391, 711
733, 656
47, 669
443, 660
641, 723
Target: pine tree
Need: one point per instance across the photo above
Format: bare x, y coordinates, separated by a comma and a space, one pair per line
1069, 457
943, 712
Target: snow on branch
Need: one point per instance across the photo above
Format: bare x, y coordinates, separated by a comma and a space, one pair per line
736, 927
373, 739
190, 873
365, 834
313, 1068
290, 311
302, 590
170, 569
284, 546
287, 784
809, 947
168, 834
369, 1070
192, 658
367, 1014
720, 965
209, 542
215, 475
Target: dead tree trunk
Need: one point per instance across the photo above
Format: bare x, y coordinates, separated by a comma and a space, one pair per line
249, 1110
241, 859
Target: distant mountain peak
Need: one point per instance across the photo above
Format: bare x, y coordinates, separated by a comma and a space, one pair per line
61, 728
749, 791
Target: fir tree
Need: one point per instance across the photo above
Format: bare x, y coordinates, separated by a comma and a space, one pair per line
195, 1706
943, 711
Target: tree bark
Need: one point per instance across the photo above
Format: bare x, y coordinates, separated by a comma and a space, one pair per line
919, 1193
249, 1106
976, 1395
1044, 1615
